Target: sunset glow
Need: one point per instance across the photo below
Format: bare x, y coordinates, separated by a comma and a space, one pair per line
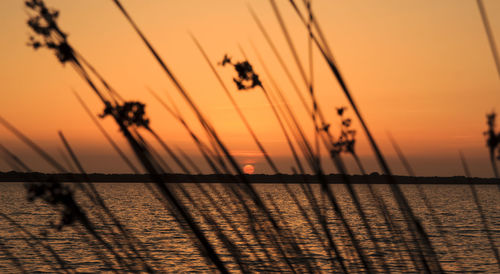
421, 70
311, 136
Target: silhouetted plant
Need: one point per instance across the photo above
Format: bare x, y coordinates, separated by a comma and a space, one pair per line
128, 113
492, 140
56, 194
43, 22
247, 78
345, 142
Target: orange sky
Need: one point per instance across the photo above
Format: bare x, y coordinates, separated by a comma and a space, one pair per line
422, 70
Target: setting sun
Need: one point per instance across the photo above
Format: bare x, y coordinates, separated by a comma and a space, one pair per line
248, 169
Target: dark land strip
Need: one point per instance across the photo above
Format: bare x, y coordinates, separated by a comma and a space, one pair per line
13, 176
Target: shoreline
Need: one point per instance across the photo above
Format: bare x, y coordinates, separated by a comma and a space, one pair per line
225, 178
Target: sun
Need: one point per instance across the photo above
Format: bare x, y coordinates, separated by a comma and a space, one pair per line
248, 169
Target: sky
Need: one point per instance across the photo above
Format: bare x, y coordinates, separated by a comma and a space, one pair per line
419, 70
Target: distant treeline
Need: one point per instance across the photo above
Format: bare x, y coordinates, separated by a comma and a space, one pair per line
374, 178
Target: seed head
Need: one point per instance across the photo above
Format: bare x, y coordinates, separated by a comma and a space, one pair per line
247, 78
129, 113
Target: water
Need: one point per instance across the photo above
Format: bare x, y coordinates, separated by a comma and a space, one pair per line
171, 250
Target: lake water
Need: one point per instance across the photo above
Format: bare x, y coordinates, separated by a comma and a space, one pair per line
459, 235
